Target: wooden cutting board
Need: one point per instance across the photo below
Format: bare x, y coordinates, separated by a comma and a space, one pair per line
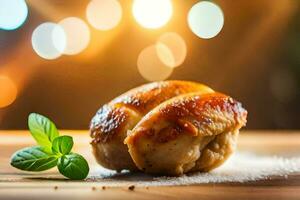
15, 184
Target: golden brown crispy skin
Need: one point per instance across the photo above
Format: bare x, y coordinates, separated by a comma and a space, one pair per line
110, 125
191, 132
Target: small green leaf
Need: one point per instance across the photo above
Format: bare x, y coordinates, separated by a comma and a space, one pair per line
42, 129
62, 144
33, 159
73, 166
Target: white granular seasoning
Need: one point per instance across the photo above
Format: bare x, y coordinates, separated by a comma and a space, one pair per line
241, 167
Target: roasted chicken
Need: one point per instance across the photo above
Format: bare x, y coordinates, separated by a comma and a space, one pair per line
169, 127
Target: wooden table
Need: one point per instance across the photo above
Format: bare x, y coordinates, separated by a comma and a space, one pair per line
15, 184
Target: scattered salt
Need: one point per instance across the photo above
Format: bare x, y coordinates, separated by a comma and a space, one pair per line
241, 167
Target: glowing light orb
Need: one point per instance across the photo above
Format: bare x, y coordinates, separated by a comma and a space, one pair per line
171, 49
165, 54
152, 13
48, 40
8, 92
151, 67
104, 14
13, 14
77, 35
205, 19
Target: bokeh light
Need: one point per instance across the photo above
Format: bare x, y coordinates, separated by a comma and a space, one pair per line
171, 49
77, 35
48, 40
152, 13
205, 19
165, 54
13, 14
8, 92
151, 67
104, 14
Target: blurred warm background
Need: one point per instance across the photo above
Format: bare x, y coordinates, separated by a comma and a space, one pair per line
108, 47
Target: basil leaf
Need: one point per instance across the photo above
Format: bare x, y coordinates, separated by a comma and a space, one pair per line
73, 166
33, 159
42, 129
62, 144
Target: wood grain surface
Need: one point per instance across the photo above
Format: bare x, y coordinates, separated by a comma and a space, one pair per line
15, 184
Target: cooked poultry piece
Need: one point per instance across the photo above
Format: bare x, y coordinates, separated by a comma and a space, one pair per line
111, 123
190, 132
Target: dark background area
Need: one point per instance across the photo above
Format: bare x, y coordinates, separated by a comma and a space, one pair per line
255, 59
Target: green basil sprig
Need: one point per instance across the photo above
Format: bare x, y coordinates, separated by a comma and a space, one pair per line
33, 159
53, 150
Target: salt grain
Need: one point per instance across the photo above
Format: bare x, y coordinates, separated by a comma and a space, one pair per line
241, 167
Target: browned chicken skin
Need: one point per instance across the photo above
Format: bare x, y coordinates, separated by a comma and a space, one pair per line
173, 127
191, 132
